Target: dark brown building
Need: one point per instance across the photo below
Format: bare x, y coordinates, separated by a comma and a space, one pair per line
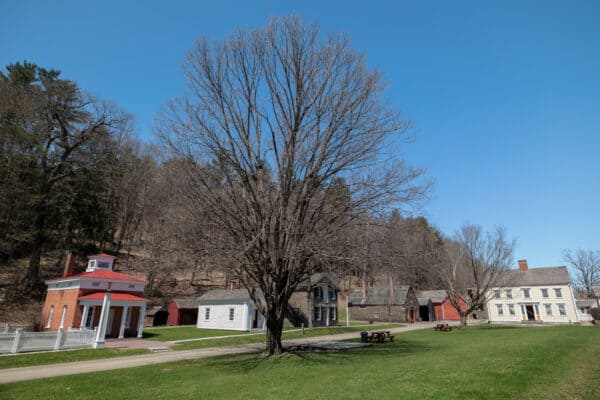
314, 303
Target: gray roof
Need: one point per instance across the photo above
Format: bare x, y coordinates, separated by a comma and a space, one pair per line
380, 295
186, 303
227, 295
582, 303
436, 296
153, 310
537, 276
317, 278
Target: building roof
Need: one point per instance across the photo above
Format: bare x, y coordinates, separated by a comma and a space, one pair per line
227, 295
186, 303
153, 310
101, 274
537, 276
114, 297
586, 303
436, 296
380, 295
317, 278
101, 255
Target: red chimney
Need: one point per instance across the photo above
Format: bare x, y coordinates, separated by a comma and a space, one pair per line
523, 265
68, 271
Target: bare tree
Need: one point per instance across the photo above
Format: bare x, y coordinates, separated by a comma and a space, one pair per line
272, 117
475, 263
586, 265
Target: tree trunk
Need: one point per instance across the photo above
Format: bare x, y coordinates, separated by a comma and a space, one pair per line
274, 331
463, 319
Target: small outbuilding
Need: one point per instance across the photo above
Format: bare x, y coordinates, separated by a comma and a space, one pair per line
434, 305
156, 316
384, 303
182, 312
229, 309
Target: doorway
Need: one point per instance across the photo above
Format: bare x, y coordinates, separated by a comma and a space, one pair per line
530, 313
255, 320
109, 323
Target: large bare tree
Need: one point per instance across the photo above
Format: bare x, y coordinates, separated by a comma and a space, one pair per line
586, 265
271, 118
475, 262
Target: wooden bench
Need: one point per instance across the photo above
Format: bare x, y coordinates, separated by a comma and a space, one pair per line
442, 327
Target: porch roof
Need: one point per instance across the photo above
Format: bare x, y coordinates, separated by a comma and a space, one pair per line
114, 297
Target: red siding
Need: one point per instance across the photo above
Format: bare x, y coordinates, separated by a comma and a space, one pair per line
173, 314
445, 311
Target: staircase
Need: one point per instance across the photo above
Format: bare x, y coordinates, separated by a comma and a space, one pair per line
296, 316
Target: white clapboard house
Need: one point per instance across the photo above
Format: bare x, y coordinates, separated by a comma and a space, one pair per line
229, 309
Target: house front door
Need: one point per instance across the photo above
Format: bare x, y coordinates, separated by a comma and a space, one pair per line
530, 313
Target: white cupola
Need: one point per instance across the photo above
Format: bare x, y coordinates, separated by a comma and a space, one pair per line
100, 262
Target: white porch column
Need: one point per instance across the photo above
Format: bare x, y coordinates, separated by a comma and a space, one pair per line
84, 315
246, 318
327, 316
140, 327
99, 343
123, 320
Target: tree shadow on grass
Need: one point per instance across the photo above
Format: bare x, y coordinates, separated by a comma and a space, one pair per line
249, 363
148, 335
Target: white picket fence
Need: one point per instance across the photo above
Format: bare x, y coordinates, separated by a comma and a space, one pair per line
20, 341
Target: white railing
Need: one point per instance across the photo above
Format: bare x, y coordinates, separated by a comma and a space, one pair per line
19, 341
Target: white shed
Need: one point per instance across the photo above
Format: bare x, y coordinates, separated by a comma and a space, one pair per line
229, 309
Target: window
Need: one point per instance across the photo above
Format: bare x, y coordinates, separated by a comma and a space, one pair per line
50, 315
561, 309
548, 308
500, 309
526, 293
511, 309
95, 284
496, 294
318, 293
545, 293
333, 313
207, 313
92, 264
231, 313
558, 292
90, 318
508, 293
317, 313
103, 265
62, 318
333, 293
131, 286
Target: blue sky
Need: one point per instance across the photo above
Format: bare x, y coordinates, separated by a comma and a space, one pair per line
504, 97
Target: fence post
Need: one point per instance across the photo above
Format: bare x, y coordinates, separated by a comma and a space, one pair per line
15, 346
59, 336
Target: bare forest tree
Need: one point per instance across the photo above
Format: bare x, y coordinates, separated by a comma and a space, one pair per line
475, 262
272, 117
586, 265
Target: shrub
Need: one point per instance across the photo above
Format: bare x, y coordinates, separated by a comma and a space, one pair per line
595, 312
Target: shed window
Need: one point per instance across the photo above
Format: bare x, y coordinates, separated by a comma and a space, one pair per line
231, 313
207, 313
62, 317
500, 309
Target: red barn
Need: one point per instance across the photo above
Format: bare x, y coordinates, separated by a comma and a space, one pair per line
434, 305
182, 312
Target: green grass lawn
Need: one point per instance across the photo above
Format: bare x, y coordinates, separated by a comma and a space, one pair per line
474, 363
53, 357
291, 333
184, 332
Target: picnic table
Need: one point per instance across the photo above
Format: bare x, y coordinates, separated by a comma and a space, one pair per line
380, 336
442, 327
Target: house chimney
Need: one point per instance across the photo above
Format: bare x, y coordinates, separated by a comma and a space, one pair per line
68, 271
523, 265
